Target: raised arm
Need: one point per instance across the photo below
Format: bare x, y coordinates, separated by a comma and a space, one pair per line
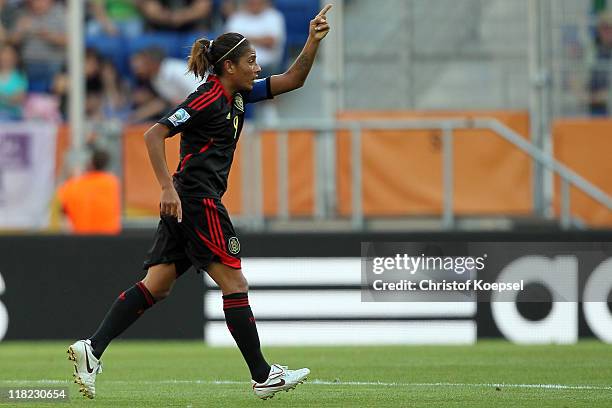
297, 73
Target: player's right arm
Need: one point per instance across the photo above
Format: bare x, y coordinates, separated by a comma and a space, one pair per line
189, 113
155, 139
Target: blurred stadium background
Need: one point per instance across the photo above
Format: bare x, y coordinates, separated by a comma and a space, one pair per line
422, 121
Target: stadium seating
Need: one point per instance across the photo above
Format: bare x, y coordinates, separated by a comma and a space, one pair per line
111, 48
119, 50
297, 13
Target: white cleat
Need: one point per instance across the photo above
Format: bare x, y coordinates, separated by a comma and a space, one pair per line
86, 367
279, 379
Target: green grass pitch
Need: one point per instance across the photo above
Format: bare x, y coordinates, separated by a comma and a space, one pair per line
188, 374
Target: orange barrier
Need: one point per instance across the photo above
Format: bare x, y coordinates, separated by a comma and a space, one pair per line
300, 150
402, 169
141, 189
584, 145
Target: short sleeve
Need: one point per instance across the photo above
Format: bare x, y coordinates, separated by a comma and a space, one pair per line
190, 112
260, 92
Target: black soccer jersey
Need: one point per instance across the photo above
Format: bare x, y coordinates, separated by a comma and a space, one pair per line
210, 121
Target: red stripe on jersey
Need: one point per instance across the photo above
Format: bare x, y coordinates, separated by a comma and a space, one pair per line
223, 257
211, 230
190, 155
208, 101
184, 161
207, 145
218, 223
215, 79
205, 95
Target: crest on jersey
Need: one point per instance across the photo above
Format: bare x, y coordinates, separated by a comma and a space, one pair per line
239, 102
178, 117
233, 245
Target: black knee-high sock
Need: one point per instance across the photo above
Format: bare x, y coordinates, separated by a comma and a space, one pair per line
126, 310
241, 324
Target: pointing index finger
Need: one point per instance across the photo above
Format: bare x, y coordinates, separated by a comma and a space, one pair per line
325, 10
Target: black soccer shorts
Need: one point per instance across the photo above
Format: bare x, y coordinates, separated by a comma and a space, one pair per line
205, 235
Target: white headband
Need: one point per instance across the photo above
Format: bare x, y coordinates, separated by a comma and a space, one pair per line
228, 53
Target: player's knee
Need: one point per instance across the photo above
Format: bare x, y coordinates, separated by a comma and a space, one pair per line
157, 290
239, 285
160, 294
242, 288
243, 285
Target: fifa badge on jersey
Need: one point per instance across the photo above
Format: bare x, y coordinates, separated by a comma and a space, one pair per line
239, 102
178, 117
233, 245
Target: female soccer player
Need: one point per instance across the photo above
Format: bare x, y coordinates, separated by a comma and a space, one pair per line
195, 228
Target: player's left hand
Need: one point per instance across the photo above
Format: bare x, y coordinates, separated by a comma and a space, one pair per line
318, 25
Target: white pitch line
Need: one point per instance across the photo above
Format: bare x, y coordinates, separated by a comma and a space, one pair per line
351, 383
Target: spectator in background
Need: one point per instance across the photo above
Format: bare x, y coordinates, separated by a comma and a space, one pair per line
8, 15
13, 84
264, 26
599, 6
225, 10
91, 201
105, 104
163, 81
177, 15
147, 105
104, 97
115, 17
40, 33
599, 84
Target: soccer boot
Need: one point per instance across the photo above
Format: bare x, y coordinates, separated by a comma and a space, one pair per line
279, 379
86, 367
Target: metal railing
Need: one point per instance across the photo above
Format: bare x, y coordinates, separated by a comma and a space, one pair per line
253, 183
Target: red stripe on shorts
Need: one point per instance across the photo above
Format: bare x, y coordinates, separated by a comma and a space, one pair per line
214, 213
224, 257
211, 230
218, 223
